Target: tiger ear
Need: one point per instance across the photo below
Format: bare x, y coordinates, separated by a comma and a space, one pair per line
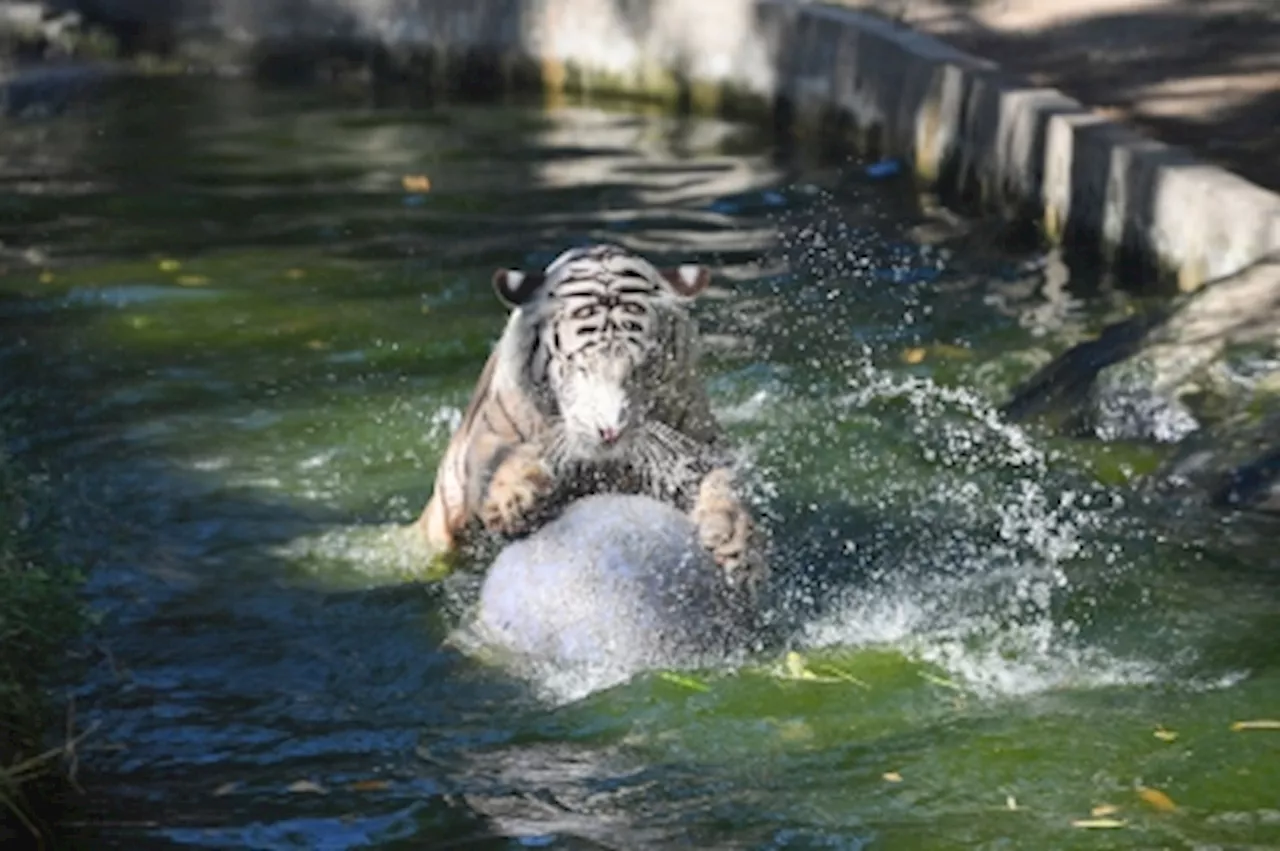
515, 287
688, 279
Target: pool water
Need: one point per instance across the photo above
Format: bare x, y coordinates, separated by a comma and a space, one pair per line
240, 322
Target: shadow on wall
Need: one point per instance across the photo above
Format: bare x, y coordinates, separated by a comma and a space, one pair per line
1194, 73
1026, 152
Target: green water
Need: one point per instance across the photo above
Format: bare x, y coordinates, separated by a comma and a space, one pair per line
237, 344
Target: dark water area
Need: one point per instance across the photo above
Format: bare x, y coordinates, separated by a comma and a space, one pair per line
235, 338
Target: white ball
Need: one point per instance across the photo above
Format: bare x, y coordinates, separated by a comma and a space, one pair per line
616, 582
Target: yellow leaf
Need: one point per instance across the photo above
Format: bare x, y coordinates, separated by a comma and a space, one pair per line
940, 681
1260, 724
892, 776
1104, 810
370, 785
46, 278
796, 667
1157, 799
170, 265
295, 274
1165, 735
681, 680
300, 786
318, 345
1097, 823
416, 183
794, 664
192, 280
832, 674
913, 355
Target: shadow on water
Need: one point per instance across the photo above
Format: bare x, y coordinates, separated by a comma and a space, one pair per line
238, 341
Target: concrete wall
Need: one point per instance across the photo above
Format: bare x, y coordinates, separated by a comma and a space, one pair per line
970, 131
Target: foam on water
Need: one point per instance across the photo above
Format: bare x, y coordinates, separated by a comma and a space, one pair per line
977, 595
375, 555
989, 538
556, 683
978, 588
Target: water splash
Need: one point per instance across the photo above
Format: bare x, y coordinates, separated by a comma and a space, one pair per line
973, 542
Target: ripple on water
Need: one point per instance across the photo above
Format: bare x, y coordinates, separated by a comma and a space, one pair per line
237, 459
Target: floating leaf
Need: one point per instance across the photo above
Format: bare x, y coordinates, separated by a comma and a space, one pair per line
416, 183
46, 277
1165, 735
318, 345
1259, 724
1157, 799
170, 265
830, 673
940, 681
191, 280
294, 274
892, 776
370, 785
226, 789
1098, 823
915, 355
1104, 810
306, 786
682, 680
795, 667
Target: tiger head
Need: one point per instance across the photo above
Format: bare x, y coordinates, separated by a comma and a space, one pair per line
602, 332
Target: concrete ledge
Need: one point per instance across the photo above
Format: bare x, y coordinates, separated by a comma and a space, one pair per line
982, 138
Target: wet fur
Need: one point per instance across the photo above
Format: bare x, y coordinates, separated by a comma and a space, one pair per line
514, 462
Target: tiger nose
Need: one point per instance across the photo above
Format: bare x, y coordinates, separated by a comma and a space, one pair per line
608, 435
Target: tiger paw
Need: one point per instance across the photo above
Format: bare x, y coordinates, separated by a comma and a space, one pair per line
517, 488
725, 528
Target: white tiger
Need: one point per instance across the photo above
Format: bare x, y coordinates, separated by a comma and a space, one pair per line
593, 387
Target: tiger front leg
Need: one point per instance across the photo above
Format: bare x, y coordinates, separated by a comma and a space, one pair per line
517, 492
727, 530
